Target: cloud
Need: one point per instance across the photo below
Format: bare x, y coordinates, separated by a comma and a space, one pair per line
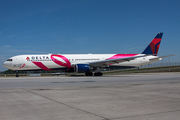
6, 46
3, 31
64, 22
42, 17
11, 36
80, 39
8, 51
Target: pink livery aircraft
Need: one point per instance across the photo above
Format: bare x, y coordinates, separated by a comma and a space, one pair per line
85, 63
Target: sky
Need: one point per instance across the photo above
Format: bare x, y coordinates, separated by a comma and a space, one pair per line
87, 26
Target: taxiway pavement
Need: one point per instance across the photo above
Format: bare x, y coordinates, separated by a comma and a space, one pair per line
118, 97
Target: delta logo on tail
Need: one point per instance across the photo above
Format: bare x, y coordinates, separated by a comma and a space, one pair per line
153, 47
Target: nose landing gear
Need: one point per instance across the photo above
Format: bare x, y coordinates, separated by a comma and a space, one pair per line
17, 75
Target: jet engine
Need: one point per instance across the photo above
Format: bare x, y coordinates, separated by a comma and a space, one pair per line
81, 68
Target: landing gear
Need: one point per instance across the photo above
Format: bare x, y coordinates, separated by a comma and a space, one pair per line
89, 74
95, 74
17, 75
98, 74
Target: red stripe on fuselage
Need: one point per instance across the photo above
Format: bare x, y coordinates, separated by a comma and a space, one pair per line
23, 65
40, 65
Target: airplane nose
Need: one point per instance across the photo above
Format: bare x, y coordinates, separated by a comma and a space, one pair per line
6, 65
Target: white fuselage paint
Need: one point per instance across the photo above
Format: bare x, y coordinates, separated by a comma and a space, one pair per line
25, 62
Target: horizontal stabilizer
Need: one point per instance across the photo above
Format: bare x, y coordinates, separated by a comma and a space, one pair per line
167, 56
160, 58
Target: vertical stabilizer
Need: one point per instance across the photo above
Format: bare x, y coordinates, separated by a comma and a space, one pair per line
153, 47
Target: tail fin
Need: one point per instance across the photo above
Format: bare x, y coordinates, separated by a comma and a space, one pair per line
153, 47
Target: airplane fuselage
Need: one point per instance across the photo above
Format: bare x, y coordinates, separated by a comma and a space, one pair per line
67, 61
86, 63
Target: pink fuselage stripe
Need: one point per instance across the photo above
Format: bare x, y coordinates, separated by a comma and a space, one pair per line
41, 65
66, 64
117, 56
23, 65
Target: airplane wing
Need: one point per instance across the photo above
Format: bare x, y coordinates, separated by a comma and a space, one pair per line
113, 61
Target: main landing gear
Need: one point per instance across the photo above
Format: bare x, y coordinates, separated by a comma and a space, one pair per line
95, 74
98, 74
89, 74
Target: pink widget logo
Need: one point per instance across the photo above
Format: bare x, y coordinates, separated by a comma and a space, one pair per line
66, 63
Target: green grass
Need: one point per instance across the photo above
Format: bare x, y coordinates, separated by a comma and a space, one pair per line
145, 70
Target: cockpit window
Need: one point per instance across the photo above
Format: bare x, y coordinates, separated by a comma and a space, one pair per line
9, 59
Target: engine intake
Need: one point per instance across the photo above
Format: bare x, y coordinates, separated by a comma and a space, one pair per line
81, 68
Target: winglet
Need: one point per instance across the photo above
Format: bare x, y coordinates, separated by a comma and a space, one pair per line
153, 47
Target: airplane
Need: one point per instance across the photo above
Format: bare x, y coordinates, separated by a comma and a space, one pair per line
85, 63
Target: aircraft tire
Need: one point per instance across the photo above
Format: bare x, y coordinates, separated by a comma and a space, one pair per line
17, 75
98, 74
89, 74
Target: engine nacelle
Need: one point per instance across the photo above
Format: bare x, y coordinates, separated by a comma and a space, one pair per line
81, 68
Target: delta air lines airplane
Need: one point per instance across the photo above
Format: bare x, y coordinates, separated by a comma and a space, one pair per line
85, 63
